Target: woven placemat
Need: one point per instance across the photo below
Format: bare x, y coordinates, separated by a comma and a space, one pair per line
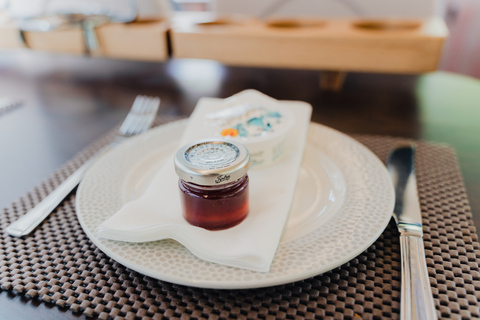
59, 264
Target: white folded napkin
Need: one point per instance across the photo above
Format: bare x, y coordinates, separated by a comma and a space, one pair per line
252, 244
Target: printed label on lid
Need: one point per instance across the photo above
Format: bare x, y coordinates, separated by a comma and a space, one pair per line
212, 155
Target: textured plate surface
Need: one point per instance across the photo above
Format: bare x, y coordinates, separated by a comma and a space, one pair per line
343, 202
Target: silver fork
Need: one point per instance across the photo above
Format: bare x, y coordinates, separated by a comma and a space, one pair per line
139, 119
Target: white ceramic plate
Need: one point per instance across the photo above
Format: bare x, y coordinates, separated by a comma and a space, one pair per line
343, 202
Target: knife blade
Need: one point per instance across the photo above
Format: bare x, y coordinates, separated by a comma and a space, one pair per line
416, 296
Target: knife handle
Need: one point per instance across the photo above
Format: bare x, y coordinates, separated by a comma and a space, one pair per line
417, 299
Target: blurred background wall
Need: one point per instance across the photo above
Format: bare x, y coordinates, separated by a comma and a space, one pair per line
461, 52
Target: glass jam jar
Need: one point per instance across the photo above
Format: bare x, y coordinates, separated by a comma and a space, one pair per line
213, 183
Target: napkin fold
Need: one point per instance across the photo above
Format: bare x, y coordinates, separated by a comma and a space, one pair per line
252, 244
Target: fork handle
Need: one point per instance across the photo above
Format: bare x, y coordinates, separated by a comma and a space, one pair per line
29, 221
416, 298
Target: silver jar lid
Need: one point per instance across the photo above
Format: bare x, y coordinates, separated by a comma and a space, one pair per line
212, 162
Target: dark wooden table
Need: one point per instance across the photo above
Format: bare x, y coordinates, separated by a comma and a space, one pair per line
68, 102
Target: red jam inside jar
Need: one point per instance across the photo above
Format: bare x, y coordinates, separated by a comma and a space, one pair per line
213, 183
215, 207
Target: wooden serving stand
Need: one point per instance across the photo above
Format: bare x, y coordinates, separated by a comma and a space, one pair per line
337, 46
136, 41
146, 40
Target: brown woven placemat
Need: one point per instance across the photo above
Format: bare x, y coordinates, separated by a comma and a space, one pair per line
59, 264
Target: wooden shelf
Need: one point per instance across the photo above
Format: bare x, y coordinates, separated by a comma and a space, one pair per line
343, 45
391, 46
135, 41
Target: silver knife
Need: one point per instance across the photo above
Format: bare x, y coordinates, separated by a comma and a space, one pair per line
416, 297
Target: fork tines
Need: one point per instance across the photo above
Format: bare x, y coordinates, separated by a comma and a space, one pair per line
141, 115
